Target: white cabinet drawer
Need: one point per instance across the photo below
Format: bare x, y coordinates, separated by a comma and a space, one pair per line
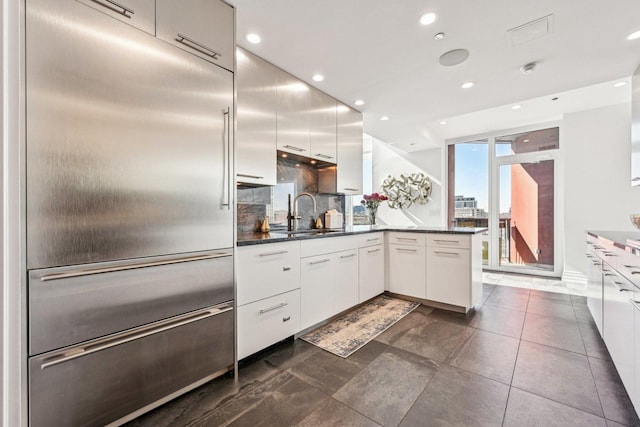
399, 238
448, 241
266, 270
370, 239
327, 245
265, 322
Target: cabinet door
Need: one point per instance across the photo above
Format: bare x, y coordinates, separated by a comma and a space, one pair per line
349, 150
594, 289
322, 126
256, 82
316, 289
345, 293
138, 13
636, 354
202, 27
407, 270
371, 277
618, 316
449, 276
293, 115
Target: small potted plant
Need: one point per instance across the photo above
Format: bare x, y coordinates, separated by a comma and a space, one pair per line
372, 201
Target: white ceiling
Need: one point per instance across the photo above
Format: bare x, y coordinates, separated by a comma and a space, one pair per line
377, 51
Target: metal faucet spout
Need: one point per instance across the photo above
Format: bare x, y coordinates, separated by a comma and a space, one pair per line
293, 217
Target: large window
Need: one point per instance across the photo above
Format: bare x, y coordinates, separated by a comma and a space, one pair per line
506, 182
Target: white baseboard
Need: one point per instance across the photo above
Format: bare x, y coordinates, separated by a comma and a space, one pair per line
575, 277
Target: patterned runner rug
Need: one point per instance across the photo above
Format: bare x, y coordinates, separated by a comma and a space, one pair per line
350, 332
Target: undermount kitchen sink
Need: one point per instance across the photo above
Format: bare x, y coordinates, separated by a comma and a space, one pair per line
311, 232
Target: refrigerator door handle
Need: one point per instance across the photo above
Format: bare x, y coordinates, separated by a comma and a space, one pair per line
227, 115
100, 270
106, 343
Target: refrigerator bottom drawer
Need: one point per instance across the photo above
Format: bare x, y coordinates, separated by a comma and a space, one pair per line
104, 380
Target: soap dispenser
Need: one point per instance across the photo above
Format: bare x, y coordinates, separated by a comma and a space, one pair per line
265, 228
319, 223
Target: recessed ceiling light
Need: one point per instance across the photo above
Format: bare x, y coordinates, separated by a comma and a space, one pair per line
439, 36
313, 162
634, 36
516, 107
253, 38
428, 18
525, 140
359, 102
467, 85
285, 155
318, 77
619, 84
443, 122
384, 118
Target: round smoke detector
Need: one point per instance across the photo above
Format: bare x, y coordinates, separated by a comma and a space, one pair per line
454, 57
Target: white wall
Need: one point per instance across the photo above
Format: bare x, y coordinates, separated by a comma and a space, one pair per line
390, 161
597, 172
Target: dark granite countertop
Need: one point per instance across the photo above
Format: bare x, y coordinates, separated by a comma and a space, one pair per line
628, 241
256, 238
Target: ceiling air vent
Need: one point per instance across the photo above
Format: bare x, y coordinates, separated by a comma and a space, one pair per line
531, 31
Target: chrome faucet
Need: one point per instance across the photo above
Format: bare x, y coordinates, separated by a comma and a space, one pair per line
293, 217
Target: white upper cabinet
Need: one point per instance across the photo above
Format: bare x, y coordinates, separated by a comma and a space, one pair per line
349, 150
138, 13
203, 27
256, 100
322, 130
293, 115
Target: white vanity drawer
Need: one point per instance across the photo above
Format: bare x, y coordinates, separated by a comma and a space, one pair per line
265, 322
370, 239
266, 270
448, 241
412, 239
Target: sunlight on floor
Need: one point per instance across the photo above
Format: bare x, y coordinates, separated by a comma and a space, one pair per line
534, 282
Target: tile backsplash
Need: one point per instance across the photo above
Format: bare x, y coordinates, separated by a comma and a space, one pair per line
254, 204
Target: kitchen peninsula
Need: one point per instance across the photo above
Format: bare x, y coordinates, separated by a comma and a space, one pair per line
288, 283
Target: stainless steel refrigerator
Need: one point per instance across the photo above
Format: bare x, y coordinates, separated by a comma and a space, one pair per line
129, 216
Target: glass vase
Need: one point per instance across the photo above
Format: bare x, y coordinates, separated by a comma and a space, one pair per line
372, 216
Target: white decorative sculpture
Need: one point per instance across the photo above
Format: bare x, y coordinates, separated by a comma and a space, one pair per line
407, 190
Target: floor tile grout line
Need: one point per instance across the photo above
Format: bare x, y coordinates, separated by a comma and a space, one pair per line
561, 403
556, 348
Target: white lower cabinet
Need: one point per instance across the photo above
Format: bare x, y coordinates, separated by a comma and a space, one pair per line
265, 322
345, 293
328, 278
635, 394
407, 270
316, 297
454, 269
268, 295
449, 275
371, 272
618, 314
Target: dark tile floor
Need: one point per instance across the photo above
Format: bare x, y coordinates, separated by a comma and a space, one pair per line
526, 358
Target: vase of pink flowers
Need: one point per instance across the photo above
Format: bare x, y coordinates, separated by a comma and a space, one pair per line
371, 202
